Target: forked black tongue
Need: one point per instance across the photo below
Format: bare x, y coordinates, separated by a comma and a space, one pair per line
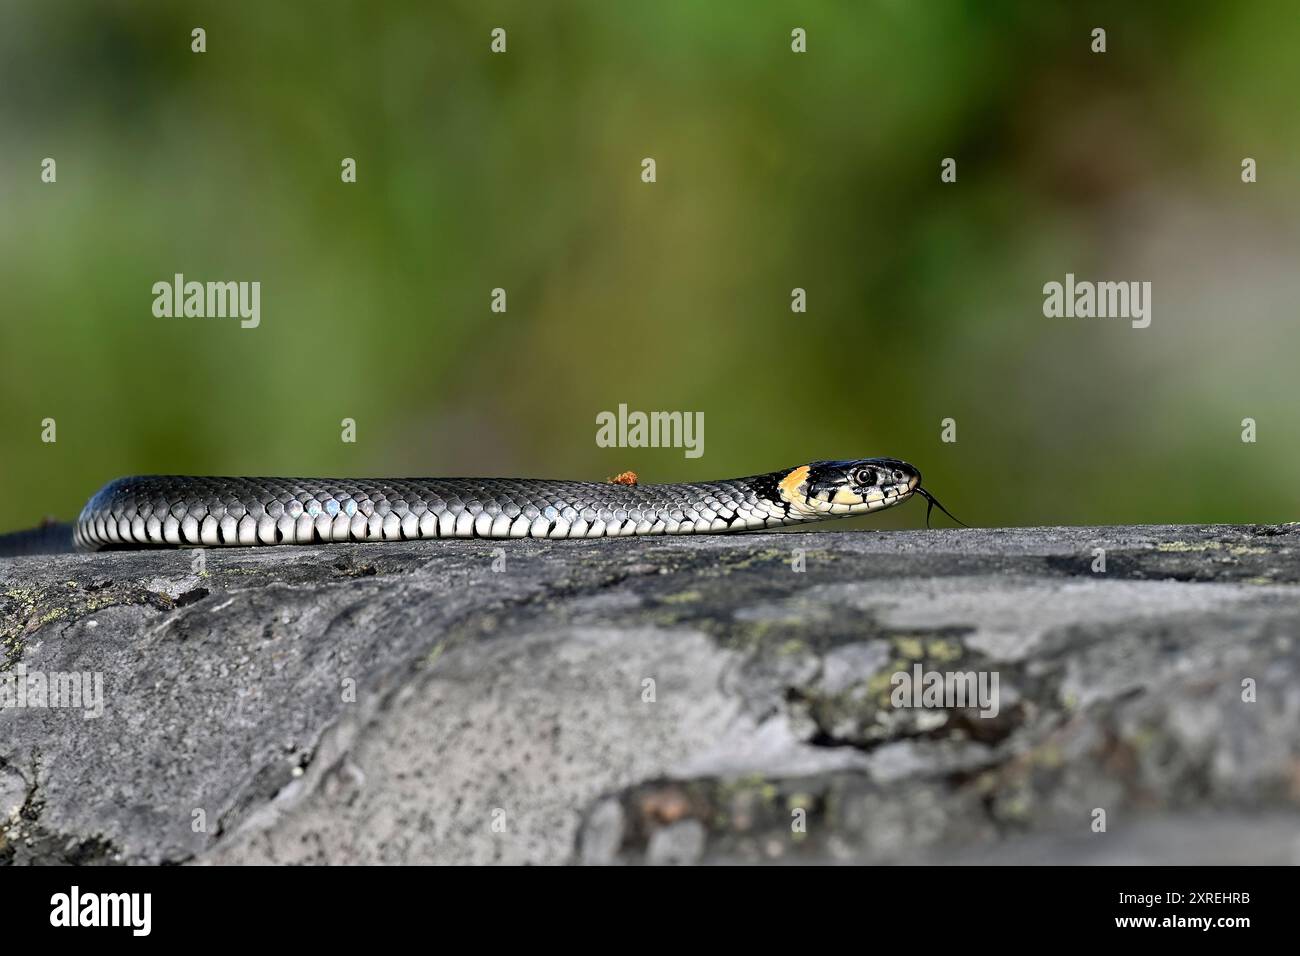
934, 503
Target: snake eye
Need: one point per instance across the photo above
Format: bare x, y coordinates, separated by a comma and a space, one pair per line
865, 476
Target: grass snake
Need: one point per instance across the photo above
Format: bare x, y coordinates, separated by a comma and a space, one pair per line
188, 511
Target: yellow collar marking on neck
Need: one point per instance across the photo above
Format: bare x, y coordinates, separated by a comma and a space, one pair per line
789, 485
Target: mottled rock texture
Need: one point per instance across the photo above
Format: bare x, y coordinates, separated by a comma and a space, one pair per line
662, 700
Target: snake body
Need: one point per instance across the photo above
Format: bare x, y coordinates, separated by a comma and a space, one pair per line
187, 511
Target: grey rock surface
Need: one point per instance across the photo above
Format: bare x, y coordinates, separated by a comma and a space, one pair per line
661, 700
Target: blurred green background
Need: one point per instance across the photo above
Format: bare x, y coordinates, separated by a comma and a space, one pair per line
775, 170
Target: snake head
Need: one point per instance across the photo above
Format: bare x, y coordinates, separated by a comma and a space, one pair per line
851, 487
